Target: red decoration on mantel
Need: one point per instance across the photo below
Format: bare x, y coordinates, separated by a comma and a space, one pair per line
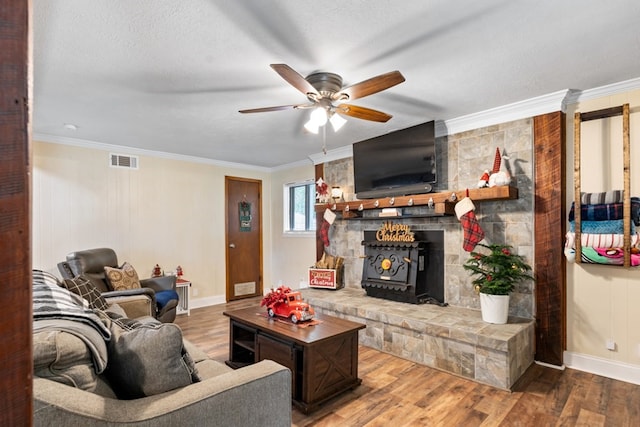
497, 161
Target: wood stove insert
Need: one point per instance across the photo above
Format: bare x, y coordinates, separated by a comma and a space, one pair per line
410, 272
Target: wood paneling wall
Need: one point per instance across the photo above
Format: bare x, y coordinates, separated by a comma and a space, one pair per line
15, 205
549, 224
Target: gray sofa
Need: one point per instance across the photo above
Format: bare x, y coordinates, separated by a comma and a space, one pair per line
256, 395
95, 367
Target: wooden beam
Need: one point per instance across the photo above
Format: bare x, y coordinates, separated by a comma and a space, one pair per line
550, 225
16, 356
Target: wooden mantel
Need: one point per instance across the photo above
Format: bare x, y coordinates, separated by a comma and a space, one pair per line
443, 200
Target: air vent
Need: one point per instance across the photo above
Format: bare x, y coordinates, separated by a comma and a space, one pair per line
123, 161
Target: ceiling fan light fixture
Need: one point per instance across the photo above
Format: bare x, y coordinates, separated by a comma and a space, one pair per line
319, 116
337, 122
311, 127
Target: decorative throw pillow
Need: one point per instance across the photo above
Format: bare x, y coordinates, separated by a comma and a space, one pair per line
122, 278
148, 360
83, 287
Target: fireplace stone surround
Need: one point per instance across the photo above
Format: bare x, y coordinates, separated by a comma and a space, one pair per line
452, 338
460, 160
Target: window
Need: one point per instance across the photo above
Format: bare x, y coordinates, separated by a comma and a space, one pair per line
299, 203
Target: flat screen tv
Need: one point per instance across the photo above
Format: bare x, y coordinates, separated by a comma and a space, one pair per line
399, 163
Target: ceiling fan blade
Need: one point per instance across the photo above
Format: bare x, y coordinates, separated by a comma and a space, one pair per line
279, 108
373, 85
362, 113
266, 109
294, 78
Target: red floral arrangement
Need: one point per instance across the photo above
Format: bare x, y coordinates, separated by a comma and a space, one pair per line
276, 295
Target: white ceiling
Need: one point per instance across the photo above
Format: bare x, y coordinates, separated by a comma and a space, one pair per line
171, 75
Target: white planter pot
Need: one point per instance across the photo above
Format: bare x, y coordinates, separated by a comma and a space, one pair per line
495, 308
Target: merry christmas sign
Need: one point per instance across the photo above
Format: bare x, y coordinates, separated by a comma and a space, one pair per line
390, 232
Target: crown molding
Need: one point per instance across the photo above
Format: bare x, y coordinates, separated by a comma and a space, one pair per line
122, 149
335, 154
299, 163
603, 91
518, 110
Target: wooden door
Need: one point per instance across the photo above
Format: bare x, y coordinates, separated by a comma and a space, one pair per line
243, 237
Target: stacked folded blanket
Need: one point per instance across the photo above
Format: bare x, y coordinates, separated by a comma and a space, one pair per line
602, 230
607, 211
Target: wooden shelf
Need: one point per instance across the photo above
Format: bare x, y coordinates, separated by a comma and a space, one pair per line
246, 344
442, 201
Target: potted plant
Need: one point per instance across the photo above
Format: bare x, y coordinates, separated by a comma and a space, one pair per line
495, 275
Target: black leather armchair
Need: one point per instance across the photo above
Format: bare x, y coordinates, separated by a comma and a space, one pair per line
90, 263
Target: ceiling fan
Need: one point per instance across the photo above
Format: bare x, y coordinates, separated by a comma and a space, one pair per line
326, 94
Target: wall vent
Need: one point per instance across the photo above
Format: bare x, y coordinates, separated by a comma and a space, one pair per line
123, 161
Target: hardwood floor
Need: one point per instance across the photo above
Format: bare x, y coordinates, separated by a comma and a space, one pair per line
396, 392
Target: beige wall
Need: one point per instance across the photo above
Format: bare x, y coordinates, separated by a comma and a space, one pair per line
169, 212
602, 301
292, 256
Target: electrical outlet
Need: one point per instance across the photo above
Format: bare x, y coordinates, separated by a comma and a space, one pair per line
611, 345
194, 291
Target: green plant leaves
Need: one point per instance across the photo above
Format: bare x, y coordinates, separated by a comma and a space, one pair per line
498, 271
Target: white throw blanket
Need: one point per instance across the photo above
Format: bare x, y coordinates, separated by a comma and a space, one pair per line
599, 240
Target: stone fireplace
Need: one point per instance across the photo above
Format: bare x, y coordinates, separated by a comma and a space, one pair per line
461, 158
452, 338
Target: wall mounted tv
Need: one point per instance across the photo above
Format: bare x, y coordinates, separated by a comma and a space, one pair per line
396, 164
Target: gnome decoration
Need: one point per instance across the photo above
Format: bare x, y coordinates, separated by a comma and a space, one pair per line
473, 233
484, 180
498, 177
327, 220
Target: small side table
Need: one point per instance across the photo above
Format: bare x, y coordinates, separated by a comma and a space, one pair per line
183, 288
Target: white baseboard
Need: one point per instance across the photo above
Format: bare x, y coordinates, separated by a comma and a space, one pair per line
207, 301
604, 367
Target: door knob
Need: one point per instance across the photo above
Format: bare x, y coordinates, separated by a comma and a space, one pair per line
232, 245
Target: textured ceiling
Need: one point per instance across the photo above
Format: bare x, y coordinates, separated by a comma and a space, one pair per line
170, 76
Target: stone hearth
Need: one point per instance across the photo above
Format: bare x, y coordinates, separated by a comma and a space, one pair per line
451, 339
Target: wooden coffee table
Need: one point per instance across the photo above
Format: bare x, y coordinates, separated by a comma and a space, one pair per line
323, 358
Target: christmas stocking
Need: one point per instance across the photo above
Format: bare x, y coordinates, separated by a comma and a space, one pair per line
327, 220
473, 233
